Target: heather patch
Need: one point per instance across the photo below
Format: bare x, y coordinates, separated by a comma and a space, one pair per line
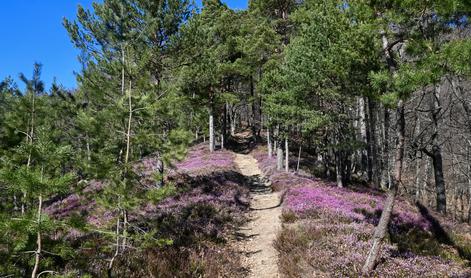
200, 161
206, 212
327, 232
207, 202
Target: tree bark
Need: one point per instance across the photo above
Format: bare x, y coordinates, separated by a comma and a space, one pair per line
269, 143
418, 192
279, 157
439, 179
286, 155
372, 144
224, 127
425, 180
386, 166
364, 137
279, 150
299, 159
382, 227
436, 154
255, 111
211, 129
37, 256
116, 252
469, 199
338, 169
128, 133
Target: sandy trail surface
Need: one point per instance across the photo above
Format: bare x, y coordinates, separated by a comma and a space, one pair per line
259, 233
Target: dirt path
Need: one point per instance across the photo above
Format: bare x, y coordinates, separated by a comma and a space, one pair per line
259, 233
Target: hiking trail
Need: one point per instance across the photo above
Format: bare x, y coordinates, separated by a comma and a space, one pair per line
260, 232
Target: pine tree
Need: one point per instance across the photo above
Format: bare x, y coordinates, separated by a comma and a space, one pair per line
210, 50
124, 89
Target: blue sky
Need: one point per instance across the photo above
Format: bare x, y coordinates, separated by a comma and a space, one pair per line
31, 31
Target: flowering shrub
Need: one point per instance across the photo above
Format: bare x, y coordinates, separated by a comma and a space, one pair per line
200, 161
207, 204
327, 232
206, 212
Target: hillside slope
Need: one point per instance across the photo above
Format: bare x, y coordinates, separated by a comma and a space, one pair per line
326, 232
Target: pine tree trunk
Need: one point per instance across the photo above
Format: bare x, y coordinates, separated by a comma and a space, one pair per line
211, 130
381, 229
386, 167
30, 137
299, 159
286, 155
255, 112
128, 133
37, 256
339, 169
372, 144
89, 153
275, 137
125, 230
116, 252
364, 136
123, 64
269, 143
279, 157
224, 127
233, 126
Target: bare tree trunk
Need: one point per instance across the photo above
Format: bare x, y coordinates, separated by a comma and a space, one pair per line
436, 154
439, 179
469, 198
417, 164
418, 192
425, 180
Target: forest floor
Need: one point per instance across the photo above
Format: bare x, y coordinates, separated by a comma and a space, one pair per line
259, 233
